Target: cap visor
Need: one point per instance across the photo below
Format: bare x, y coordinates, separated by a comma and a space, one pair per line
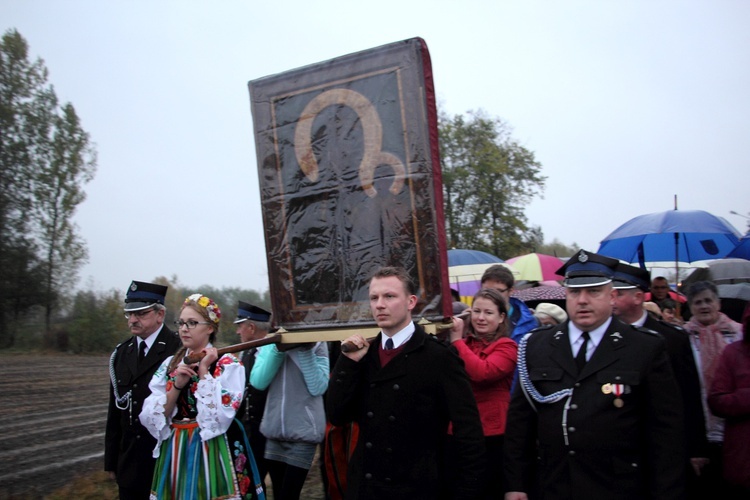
137, 306
239, 320
622, 285
586, 281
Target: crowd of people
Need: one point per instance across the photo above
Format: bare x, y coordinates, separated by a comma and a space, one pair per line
613, 396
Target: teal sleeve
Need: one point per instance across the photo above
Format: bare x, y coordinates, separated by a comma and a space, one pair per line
266, 365
315, 368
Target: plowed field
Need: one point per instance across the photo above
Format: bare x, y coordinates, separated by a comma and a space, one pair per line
53, 410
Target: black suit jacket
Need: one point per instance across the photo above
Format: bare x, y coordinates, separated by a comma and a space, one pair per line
128, 447
403, 410
686, 372
613, 451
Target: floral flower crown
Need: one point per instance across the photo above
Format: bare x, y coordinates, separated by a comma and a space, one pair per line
214, 313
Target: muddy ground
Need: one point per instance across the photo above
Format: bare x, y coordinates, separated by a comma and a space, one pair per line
53, 410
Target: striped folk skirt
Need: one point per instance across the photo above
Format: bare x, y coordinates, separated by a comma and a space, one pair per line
191, 469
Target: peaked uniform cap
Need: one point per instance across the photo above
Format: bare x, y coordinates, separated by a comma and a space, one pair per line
246, 311
142, 295
629, 277
586, 269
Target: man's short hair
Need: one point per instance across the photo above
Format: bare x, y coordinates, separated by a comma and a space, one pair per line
700, 287
659, 278
667, 304
500, 273
398, 272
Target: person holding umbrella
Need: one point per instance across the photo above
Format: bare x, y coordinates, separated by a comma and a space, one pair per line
631, 284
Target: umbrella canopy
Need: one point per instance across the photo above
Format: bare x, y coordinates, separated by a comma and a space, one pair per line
670, 237
741, 251
462, 257
465, 270
532, 297
735, 291
540, 293
721, 271
536, 267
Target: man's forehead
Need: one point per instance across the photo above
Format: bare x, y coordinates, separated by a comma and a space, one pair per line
387, 283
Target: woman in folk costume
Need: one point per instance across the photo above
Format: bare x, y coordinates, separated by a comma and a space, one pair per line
201, 452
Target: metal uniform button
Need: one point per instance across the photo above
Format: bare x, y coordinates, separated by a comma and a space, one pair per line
618, 377
368, 476
368, 445
571, 429
391, 418
572, 453
396, 387
574, 406
370, 414
577, 384
388, 450
388, 480
135, 386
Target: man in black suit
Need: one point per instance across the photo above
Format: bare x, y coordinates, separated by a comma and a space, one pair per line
403, 391
128, 447
597, 410
631, 284
253, 323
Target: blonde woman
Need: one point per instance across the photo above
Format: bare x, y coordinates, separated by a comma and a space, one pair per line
190, 410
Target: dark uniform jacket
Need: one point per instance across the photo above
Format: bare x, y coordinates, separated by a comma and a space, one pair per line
686, 372
627, 449
128, 446
403, 411
251, 413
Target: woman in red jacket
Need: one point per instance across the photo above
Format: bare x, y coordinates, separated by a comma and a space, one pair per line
489, 356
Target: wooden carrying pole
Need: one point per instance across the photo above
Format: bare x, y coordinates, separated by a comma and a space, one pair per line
304, 337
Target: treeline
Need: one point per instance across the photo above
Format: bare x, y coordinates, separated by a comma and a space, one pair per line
45, 159
95, 322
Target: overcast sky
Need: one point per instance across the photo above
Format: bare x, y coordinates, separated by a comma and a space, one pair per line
625, 104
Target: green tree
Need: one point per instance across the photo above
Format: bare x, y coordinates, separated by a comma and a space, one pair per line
488, 179
22, 92
63, 167
558, 248
45, 158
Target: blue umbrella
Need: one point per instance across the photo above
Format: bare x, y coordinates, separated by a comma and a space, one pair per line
742, 251
461, 257
465, 269
671, 237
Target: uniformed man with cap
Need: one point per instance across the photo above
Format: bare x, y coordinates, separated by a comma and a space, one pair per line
632, 283
253, 323
128, 446
596, 413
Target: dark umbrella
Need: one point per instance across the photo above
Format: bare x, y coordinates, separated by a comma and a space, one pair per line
535, 295
674, 236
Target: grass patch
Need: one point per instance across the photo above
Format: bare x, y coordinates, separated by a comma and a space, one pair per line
94, 486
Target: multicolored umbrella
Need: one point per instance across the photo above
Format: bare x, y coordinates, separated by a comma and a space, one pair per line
465, 270
536, 267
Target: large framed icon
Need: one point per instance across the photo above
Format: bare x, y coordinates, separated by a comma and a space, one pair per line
350, 180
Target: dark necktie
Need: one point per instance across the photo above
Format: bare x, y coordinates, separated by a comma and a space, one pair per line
581, 356
141, 352
389, 344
